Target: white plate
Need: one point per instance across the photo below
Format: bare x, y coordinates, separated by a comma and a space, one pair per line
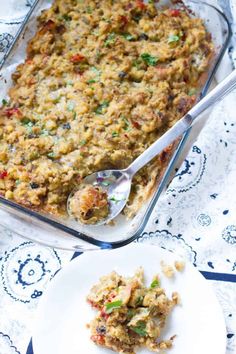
63, 311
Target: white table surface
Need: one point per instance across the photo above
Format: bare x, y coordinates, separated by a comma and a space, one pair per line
196, 218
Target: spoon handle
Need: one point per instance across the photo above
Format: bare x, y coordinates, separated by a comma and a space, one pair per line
220, 91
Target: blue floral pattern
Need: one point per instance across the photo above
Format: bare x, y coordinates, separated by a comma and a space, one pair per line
26, 270
194, 218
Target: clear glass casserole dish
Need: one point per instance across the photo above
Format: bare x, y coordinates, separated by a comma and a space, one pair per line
66, 233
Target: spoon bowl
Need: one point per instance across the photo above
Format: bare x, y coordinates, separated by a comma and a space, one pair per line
117, 185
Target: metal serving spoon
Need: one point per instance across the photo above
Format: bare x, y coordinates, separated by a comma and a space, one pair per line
117, 183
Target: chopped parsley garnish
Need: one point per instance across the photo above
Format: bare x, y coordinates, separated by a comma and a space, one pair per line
114, 134
127, 125
111, 38
27, 123
113, 199
139, 301
51, 154
57, 100
140, 329
137, 17
4, 102
100, 108
106, 183
44, 132
83, 142
70, 106
66, 17
173, 38
110, 306
130, 313
137, 63
89, 10
128, 36
95, 70
154, 284
91, 81
149, 59
192, 92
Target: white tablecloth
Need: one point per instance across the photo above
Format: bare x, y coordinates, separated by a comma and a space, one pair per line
196, 217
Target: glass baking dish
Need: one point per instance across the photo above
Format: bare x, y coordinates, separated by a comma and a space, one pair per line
65, 233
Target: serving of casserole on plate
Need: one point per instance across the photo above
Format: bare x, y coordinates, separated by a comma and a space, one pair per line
186, 311
101, 82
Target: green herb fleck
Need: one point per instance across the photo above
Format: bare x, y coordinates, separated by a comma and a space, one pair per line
114, 134
83, 142
113, 199
100, 108
57, 100
18, 182
89, 10
151, 1
149, 59
130, 313
139, 301
127, 125
173, 38
140, 329
95, 70
69, 83
91, 81
97, 73
70, 106
111, 38
27, 123
106, 183
51, 154
154, 283
192, 92
74, 114
44, 132
110, 306
4, 102
128, 36
137, 18
66, 17
137, 63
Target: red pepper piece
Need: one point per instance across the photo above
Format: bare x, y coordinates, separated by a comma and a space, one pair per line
99, 339
93, 304
11, 111
3, 174
103, 313
77, 58
124, 20
47, 26
136, 124
140, 4
174, 12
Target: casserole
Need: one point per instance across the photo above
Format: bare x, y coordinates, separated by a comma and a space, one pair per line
124, 230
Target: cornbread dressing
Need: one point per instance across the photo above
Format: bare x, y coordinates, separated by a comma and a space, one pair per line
102, 81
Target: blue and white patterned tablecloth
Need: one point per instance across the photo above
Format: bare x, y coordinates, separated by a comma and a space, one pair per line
196, 217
